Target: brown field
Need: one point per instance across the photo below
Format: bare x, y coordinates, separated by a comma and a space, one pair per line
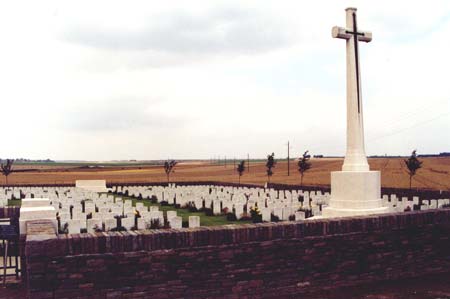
435, 173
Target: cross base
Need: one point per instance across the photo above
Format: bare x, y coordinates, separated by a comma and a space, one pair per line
354, 193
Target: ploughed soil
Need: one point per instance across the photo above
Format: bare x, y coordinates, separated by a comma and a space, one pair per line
434, 174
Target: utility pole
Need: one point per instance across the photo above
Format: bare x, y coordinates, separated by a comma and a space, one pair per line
225, 161
288, 159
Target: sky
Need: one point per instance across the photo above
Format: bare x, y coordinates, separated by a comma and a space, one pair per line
119, 80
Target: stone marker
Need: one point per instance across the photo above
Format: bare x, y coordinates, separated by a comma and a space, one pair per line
141, 223
239, 210
93, 224
355, 190
110, 223
92, 185
128, 222
170, 215
299, 215
74, 226
176, 222
216, 207
194, 221
266, 215
36, 213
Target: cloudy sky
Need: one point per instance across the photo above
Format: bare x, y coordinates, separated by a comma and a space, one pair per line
101, 80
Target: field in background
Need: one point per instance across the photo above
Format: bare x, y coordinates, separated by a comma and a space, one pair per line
435, 173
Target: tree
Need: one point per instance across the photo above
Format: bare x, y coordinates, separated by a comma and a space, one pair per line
6, 169
303, 165
169, 168
413, 164
240, 169
269, 165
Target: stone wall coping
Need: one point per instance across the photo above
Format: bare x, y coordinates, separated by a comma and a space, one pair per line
166, 239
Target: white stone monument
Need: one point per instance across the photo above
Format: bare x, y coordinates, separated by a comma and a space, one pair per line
92, 185
36, 209
355, 190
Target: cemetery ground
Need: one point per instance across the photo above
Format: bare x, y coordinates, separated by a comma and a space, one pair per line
434, 174
206, 220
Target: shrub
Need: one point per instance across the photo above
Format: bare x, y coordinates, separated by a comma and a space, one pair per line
245, 217
446, 205
274, 218
225, 211
155, 224
255, 215
164, 203
118, 229
308, 212
207, 211
292, 218
191, 207
231, 217
65, 229
185, 224
154, 199
97, 228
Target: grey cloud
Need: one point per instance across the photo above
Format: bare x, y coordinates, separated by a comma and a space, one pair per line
221, 31
123, 113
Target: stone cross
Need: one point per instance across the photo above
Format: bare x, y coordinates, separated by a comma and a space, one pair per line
355, 157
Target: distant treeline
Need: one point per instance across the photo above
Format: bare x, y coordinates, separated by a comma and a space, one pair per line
23, 160
445, 154
423, 156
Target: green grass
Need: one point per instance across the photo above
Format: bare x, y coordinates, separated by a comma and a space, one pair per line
184, 213
14, 202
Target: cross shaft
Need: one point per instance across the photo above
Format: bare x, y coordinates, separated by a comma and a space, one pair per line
355, 159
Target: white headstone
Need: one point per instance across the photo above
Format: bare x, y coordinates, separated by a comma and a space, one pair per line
176, 222
194, 221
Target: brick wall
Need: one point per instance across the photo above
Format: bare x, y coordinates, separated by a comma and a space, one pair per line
262, 260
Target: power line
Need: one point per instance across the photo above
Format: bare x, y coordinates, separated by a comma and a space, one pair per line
410, 127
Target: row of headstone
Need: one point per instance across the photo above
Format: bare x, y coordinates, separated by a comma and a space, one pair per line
402, 204
270, 202
76, 207
282, 204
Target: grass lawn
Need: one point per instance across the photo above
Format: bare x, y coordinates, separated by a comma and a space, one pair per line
14, 202
184, 213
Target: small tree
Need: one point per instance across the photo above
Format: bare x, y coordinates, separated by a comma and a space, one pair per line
169, 168
6, 169
269, 165
303, 165
413, 164
240, 169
